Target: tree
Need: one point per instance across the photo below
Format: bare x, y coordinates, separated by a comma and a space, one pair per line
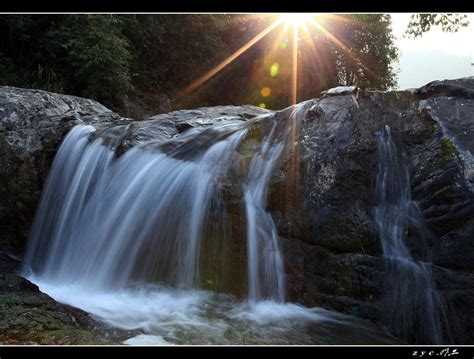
171, 50
362, 49
84, 55
364, 55
421, 23
93, 55
112, 57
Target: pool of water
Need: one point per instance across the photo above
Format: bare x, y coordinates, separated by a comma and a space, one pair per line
158, 315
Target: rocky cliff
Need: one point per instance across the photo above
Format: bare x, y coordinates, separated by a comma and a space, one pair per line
32, 124
331, 246
321, 195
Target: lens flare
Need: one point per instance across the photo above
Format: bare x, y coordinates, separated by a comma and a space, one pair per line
266, 91
274, 69
296, 30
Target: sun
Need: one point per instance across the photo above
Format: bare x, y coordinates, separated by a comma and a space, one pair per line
296, 27
296, 19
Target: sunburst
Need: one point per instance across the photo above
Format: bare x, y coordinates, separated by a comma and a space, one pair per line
296, 19
289, 21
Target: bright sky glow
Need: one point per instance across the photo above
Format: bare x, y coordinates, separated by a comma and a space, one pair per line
434, 56
296, 19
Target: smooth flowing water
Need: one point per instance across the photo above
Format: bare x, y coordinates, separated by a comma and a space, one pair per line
104, 220
413, 308
265, 263
125, 238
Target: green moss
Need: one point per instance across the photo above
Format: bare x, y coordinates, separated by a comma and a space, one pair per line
448, 152
247, 151
53, 337
70, 336
447, 145
34, 319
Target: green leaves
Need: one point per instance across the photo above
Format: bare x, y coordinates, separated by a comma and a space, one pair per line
46, 78
85, 55
421, 23
94, 49
107, 57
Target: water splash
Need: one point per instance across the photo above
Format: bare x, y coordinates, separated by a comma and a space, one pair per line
413, 309
120, 237
160, 315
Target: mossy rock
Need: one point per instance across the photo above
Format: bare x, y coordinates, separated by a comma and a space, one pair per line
448, 152
28, 316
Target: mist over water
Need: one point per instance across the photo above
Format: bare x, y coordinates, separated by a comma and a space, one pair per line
125, 238
168, 316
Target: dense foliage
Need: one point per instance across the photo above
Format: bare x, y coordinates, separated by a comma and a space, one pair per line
77, 54
364, 54
106, 57
125, 58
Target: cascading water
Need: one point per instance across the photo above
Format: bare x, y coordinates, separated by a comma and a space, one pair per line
265, 263
102, 220
124, 238
413, 308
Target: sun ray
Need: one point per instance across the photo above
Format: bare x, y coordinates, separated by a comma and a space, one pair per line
343, 19
275, 46
296, 19
294, 92
297, 24
295, 65
231, 58
340, 44
315, 58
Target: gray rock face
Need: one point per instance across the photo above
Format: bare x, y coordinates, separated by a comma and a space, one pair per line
333, 253
32, 124
321, 196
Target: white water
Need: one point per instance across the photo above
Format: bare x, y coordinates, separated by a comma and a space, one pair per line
103, 221
413, 308
121, 238
168, 316
265, 263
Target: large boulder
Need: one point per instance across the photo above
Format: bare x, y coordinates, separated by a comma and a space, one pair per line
32, 125
333, 255
321, 195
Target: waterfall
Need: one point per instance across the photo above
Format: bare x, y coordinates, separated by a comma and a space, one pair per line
131, 236
104, 221
265, 263
413, 308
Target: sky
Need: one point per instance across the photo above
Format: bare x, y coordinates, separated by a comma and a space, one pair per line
434, 56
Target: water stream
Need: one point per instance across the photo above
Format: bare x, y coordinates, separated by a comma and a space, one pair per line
121, 237
413, 309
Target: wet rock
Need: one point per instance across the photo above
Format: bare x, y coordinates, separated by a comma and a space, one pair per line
461, 88
337, 165
321, 196
28, 316
32, 124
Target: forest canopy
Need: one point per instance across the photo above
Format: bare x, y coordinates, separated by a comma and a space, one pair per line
117, 59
